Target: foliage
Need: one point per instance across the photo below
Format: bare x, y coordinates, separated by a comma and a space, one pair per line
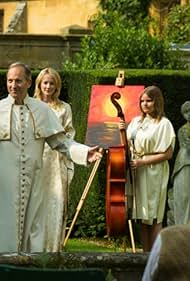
117, 45
121, 39
178, 26
97, 218
91, 220
130, 10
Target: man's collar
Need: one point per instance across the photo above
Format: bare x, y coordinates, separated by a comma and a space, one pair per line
12, 100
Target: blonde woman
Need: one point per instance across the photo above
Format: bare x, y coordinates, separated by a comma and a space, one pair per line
57, 169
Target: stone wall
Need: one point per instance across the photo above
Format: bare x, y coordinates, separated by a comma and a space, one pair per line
116, 266
38, 51
47, 16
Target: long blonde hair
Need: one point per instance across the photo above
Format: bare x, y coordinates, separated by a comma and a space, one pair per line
56, 102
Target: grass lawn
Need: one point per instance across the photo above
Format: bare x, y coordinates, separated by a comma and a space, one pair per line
98, 245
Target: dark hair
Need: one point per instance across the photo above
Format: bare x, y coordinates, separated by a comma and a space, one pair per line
25, 67
155, 94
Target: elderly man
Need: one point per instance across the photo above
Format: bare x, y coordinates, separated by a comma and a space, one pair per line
25, 125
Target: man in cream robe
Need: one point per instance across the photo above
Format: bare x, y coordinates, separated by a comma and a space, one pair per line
25, 125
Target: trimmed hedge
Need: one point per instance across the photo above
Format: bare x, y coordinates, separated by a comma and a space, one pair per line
76, 90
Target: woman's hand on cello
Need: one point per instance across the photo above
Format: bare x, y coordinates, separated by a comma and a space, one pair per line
122, 125
136, 163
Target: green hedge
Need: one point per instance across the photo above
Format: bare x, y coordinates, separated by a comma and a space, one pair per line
76, 90
175, 86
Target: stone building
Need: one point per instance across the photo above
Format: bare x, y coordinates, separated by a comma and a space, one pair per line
45, 16
44, 32
56, 16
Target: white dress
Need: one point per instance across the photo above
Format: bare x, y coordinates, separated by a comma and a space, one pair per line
24, 129
151, 181
57, 172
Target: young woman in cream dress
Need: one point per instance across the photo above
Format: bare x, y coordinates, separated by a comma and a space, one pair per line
57, 169
151, 139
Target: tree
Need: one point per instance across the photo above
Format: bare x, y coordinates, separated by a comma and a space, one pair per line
130, 10
178, 26
121, 39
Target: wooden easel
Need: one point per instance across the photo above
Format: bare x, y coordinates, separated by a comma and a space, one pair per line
83, 197
120, 80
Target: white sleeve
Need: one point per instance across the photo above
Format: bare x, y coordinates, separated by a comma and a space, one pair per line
73, 150
79, 153
165, 136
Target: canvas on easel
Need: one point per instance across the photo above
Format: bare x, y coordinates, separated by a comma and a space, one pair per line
102, 126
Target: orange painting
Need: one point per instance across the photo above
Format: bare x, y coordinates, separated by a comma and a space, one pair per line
102, 127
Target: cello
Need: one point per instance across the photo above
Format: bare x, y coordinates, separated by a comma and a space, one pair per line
118, 164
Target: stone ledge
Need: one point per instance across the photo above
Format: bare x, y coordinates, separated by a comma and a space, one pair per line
123, 266
65, 259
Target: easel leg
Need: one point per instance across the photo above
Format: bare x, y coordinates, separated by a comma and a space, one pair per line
131, 236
